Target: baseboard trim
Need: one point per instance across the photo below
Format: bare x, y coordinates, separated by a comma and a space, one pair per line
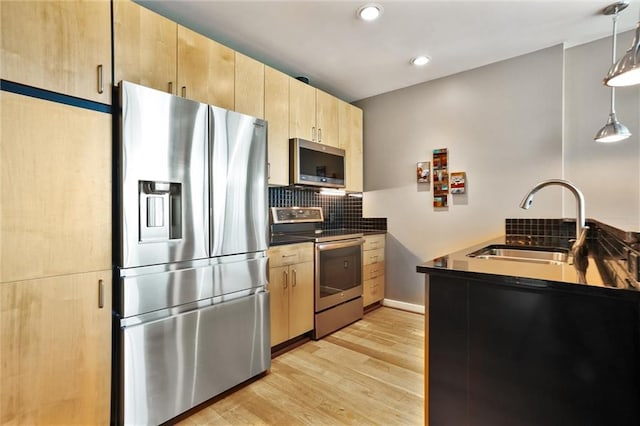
418, 309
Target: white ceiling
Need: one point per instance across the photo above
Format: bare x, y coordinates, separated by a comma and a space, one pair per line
353, 59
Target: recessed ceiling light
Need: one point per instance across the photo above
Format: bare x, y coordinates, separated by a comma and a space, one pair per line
369, 12
421, 60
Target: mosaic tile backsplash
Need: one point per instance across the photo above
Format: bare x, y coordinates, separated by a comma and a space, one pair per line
543, 232
339, 212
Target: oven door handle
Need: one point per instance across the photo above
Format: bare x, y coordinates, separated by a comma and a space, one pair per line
332, 245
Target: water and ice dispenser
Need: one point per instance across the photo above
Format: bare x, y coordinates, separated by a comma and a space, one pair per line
160, 211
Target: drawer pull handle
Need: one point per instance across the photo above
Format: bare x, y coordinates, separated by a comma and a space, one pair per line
286, 279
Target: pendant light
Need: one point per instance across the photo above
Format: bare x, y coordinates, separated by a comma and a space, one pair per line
626, 72
613, 131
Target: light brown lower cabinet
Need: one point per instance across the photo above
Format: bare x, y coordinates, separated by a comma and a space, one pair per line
373, 269
55, 350
291, 291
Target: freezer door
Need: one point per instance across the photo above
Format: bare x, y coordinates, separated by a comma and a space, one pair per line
174, 364
154, 289
162, 171
238, 164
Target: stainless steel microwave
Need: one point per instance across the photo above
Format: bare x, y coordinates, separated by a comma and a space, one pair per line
315, 164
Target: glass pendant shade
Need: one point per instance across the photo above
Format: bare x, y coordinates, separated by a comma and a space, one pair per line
613, 131
626, 72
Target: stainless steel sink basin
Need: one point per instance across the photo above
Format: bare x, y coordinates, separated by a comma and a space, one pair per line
547, 255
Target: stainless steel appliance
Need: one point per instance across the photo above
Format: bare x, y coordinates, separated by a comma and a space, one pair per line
338, 265
191, 310
316, 164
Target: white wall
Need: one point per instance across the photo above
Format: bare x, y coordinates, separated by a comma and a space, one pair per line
607, 174
502, 124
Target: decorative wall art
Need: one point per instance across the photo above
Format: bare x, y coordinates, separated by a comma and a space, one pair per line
458, 182
440, 178
424, 172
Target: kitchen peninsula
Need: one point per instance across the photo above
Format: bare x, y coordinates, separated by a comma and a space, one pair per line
513, 341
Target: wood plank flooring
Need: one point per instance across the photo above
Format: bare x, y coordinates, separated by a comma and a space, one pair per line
369, 373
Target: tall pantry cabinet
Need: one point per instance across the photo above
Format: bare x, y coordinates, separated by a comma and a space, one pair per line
55, 214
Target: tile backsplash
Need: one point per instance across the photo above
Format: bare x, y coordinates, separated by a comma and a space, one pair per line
339, 212
543, 232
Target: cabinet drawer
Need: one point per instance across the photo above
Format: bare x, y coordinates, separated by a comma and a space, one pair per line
373, 290
373, 242
373, 270
373, 256
290, 254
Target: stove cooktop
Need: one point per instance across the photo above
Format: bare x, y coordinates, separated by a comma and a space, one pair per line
318, 236
297, 224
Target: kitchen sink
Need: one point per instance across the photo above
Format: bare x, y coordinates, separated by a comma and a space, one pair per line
547, 255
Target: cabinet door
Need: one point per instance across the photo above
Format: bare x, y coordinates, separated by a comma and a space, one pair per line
249, 86
327, 118
276, 112
302, 110
144, 47
55, 189
350, 137
62, 46
300, 299
279, 303
205, 69
56, 350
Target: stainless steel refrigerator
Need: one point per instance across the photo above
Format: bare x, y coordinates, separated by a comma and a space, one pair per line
191, 309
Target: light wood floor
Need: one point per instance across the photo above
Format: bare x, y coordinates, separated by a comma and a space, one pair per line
369, 373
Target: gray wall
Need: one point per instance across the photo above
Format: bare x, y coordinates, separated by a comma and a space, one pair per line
504, 126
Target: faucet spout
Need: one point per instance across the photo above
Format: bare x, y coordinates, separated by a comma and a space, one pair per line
580, 216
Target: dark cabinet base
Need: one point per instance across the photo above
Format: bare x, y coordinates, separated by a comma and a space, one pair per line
514, 355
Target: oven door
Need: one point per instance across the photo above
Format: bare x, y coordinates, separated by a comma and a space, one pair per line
338, 272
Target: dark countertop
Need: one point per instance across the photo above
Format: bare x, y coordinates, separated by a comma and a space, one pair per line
516, 272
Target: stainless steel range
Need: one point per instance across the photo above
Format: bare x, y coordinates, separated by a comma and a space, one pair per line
338, 265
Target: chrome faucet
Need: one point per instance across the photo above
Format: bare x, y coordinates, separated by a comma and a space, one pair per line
581, 229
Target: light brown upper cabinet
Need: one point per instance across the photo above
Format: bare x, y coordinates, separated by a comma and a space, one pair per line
55, 197
206, 69
302, 110
326, 118
350, 136
276, 112
313, 114
62, 46
250, 86
144, 47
